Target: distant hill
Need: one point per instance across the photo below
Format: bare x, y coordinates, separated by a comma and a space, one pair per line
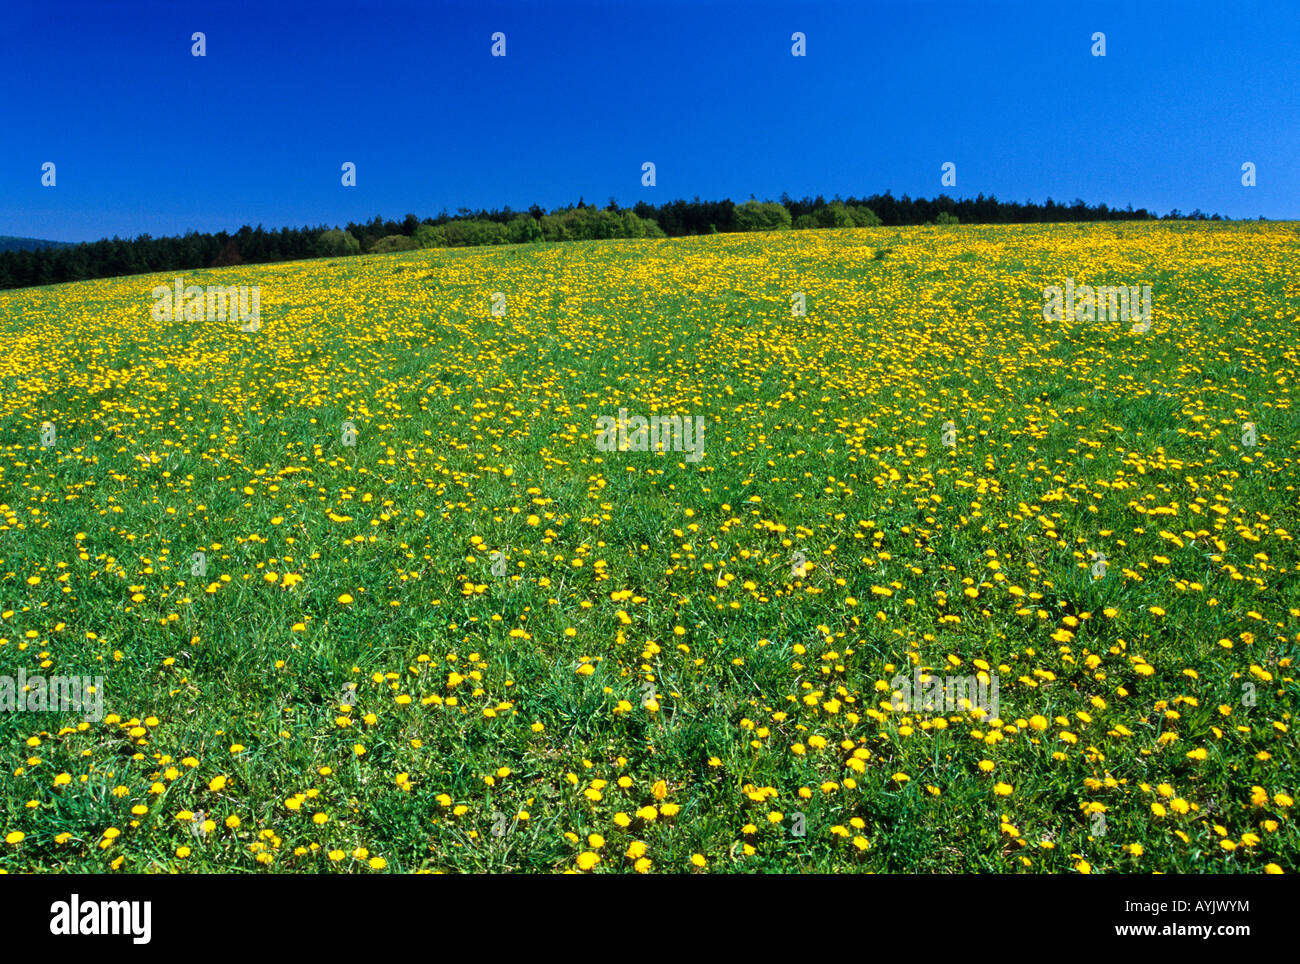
24, 261
30, 244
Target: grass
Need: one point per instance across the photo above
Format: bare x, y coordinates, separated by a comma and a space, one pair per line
394, 705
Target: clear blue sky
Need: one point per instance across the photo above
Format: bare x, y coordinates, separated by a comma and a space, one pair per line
148, 138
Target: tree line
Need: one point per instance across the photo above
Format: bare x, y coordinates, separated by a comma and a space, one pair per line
146, 254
